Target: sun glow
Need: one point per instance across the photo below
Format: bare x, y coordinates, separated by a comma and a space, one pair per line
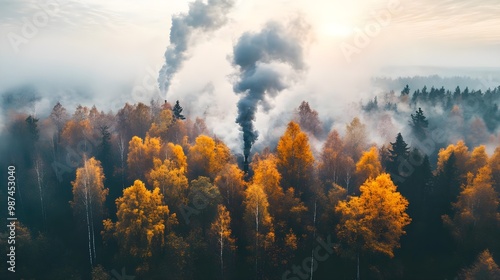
336, 30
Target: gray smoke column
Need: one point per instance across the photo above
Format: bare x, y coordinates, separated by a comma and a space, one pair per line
258, 80
201, 17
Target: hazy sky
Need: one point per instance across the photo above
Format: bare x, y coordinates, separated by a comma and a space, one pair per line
105, 49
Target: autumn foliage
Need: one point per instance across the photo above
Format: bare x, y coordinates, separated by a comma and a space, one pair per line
375, 220
159, 194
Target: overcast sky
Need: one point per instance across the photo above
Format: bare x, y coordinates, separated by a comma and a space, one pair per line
108, 48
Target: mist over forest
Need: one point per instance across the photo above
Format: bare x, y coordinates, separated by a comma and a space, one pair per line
432, 149
222, 139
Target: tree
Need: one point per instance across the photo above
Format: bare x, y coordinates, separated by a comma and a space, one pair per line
356, 139
177, 132
134, 120
32, 125
405, 91
477, 132
59, 117
76, 132
196, 128
220, 230
176, 154
231, 184
139, 119
171, 180
461, 154
416, 187
286, 209
89, 196
177, 111
295, 158
375, 220
161, 126
205, 197
141, 155
368, 166
494, 164
99, 273
447, 184
266, 174
483, 268
308, 119
476, 216
142, 223
207, 157
104, 151
478, 158
333, 197
398, 153
332, 159
419, 124
259, 222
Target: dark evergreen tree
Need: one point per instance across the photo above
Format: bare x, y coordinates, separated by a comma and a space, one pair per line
419, 183
177, 111
457, 93
447, 185
405, 91
415, 98
419, 124
398, 154
32, 136
417, 189
32, 126
104, 151
425, 94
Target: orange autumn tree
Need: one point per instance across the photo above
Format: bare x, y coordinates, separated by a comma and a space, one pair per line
266, 175
368, 166
89, 196
231, 184
295, 158
172, 182
328, 168
476, 211
462, 155
286, 209
355, 139
375, 220
220, 231
484, 268
176, 155
283, 205
161, 125
78, 132
259, 223
207, 157
494, 164
478, 158
141, 154
143, 221
308, 119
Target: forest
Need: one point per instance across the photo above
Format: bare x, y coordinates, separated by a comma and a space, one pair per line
409, 189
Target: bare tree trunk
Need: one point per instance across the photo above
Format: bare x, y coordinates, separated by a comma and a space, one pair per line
92, 225
357, 275
314, 238
221, 252
347, 180
39, 176
88, 222
121, 147
256, 239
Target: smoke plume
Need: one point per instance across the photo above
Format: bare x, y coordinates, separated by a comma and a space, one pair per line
201, 17
258, 80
